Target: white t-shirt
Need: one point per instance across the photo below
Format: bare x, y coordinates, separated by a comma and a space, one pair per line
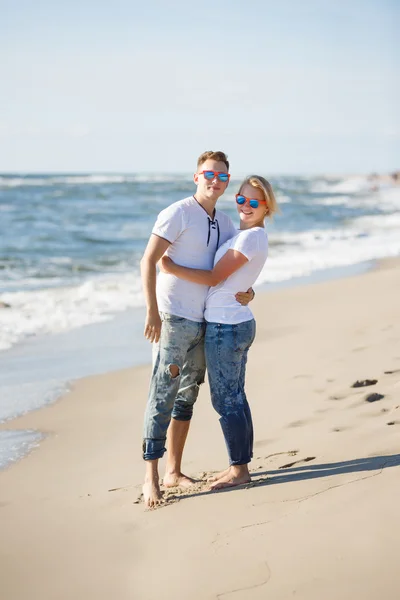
194, 238
221, 306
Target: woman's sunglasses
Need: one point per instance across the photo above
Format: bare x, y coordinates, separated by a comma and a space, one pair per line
210, 175
240, 199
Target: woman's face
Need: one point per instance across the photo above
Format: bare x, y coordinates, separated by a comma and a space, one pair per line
252, 217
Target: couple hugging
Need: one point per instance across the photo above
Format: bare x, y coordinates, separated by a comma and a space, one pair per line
197, 317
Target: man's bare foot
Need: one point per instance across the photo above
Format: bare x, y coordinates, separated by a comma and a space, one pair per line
217, 476
177, 480
151, 494
236, 475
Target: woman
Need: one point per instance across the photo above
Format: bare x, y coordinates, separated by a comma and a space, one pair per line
231, 327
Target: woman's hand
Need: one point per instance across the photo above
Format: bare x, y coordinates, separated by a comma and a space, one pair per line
166, 264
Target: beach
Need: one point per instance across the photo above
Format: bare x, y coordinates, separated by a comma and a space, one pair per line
320, 518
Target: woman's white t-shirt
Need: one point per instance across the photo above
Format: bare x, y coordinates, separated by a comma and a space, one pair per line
221, 305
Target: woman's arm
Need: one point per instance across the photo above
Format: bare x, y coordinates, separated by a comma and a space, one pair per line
229, 263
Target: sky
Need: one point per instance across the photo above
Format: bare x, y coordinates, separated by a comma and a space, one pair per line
288, 87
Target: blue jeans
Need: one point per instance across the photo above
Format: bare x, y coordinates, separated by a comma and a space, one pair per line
182, 344
226, 348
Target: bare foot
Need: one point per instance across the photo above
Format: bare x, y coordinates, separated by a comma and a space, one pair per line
235, 476
217, 476
151, 494
177, 480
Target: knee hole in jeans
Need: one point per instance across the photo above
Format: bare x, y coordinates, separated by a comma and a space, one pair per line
174, 371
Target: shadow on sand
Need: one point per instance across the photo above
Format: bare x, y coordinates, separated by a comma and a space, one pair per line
300, 473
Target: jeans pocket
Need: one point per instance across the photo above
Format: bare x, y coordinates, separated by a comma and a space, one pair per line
172, 318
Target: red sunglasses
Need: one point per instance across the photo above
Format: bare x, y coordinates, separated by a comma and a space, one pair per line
240, 199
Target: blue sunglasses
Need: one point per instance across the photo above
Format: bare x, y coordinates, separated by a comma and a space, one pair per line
240, 199
210, 175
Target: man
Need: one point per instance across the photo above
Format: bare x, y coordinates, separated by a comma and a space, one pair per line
191, 230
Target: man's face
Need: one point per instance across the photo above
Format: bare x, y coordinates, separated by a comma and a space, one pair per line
211, 189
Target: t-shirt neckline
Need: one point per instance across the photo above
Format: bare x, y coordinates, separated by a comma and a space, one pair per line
203, 209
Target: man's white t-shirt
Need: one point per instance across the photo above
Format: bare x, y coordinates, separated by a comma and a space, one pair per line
195, 238
221, 306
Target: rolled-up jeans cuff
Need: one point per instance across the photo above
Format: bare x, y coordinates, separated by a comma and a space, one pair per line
153, 449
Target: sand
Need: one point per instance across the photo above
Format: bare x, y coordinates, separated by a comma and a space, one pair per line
320, 519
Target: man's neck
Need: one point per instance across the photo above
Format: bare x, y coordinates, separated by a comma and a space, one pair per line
207, 204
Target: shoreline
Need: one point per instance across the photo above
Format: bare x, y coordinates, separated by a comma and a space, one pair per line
141, 354
325, 473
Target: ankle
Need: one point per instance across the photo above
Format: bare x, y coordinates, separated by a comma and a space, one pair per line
239, 470
151, 471
172, 470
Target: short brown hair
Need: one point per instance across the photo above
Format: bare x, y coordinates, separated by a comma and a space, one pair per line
260, 183
219, 156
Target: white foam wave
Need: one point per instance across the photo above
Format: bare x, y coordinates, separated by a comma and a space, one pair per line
94, 179
292, 254
369, 238
386, 199
15, 444
348, 185
61, 309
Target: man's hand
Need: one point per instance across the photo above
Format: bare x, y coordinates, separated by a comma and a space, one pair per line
152, 327
245, 297
165, 264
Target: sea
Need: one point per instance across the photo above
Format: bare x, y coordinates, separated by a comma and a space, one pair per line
71, 303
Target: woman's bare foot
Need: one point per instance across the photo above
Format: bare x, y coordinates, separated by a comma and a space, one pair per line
236, 475
177, 480
217, 476
151, 493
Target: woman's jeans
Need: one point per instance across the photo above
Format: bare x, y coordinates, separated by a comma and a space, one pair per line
226, 348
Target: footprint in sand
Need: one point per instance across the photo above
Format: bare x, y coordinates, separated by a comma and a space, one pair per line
261, 443
364, 383
374, 397
295, 462
297, 423
337, 397
322, 411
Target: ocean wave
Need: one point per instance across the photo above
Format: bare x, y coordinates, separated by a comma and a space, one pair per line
54, 310
346, 185
292, 254
8, 181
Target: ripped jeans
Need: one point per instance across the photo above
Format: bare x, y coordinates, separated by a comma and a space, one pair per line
182, 344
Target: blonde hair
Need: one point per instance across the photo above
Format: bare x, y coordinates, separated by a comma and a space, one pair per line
260, 183
219, 156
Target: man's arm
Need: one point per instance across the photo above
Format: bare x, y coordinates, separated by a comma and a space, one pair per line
156, 247
244, 298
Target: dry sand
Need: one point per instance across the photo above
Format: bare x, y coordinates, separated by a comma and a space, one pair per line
321, 518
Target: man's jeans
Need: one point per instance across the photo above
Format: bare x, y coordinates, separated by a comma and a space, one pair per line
182, 344
226, 348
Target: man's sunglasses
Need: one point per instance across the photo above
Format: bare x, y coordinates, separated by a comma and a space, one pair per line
210, 175
240, 199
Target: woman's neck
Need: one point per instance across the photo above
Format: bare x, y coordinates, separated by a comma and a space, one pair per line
244, 226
